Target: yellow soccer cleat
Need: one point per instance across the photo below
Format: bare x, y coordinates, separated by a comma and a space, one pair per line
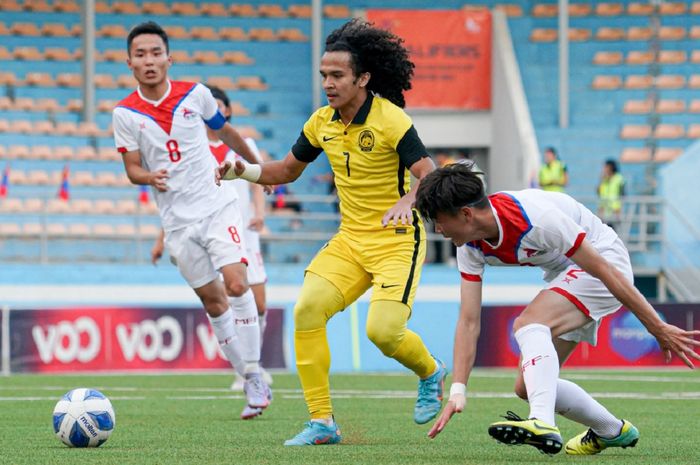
589, 443
516, 431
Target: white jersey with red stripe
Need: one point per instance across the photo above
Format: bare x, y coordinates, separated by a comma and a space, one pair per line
222, 153
536, 228
169, 135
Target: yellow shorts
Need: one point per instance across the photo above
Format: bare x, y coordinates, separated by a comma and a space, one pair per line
390, 263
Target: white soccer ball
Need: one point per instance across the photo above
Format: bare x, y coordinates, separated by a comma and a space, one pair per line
83, 418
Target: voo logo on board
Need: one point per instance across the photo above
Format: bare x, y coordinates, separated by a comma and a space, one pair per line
147, 339
62, 341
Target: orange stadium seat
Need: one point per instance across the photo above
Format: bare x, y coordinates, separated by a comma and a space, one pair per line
695, 56
635, 155
38, 6
112, 30
262, 33
672, 57
18, 151
670, 106
103, 230
272, 11
541, 34
190, 78
27, 53
670, 81
5, 53
88, 129
237, 109
206, 57
21, 126
10, 230
607, 58
11, 205
666, 154
149, 231
38, 177
579, 9
23, 104
184, 9
609, 9
4, 125
336, 11
672, 33
4, 31
62, 152
125, 230
66, 128
511, 10
103, 7
249, 131
204, 33
695, 8
635, 131
213, 9
606, 82
236, 58
694, 106
155, 8
127, 81
299, 11
292, 35
640, 9
639, 57
251, 83
74, 105
11, 5
58, 206
128, 8
637, 81
41, 152
545, 10
181, 56
86, 152
694, 81
58, 54
232, 33
66, 6
106, 106
83, 178
25, 29
177, 32
639, 33
8, 78
243, 9
694, 131
69, 80
105, 81
78, 230
18, 177
669, 131
48, 104
104, 207
610, 33
222, 82
114, 54
106, 179
672, 8
55, 30
125, 207
577, 34
42, 127
32, 229
5, 103
56, 229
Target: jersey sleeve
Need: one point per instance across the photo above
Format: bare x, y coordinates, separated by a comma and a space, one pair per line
470, 262
210, 109
410, 148
556, 231
307, 148
123, 135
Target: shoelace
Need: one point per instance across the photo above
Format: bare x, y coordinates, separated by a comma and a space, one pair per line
424, 388
512, 416
590, 436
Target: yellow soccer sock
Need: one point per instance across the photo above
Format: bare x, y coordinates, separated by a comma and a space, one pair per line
313, 363
413, 354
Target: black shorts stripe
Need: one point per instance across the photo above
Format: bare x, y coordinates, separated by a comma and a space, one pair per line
416, 248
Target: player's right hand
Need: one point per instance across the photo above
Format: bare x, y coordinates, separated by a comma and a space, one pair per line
157, 252
228, 172
158, 179
454, 405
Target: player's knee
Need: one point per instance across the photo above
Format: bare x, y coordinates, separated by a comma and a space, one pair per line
215, 305
309, 314
520, 389
387, 341
236, 288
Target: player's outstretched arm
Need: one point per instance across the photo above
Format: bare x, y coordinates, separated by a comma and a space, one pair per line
466, 336
671, 339
235, 141
402, 211
270, 173
137, 174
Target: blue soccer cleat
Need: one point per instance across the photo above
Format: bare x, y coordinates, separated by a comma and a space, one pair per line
316, 433
430, 391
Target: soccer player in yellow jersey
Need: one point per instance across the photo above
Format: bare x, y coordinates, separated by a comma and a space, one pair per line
373, 149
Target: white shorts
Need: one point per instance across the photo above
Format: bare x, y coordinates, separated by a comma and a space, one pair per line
200, 250
256, 266
589, 294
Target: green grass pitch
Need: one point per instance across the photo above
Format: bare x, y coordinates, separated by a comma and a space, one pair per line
193, 419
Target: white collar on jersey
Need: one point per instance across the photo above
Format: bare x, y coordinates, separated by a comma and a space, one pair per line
500, 228
155, 103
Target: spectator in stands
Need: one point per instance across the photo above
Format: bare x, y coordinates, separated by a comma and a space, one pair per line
159, 132
610, 192
373, 148
589, 276
553, 176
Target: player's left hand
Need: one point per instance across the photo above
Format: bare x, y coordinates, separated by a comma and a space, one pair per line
228, 171
401, 212
454, 405
674, 340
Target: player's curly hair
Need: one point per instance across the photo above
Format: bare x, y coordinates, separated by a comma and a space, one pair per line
448, 189
378, 52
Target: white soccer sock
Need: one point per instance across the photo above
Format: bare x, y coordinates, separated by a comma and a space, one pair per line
262, 322
540, 367
245, 320
225, 333
577, 405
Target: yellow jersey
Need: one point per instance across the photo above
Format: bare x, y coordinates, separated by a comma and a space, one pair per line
370, 159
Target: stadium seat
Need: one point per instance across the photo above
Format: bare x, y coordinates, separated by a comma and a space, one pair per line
58, 206
23, 104
511, 10
204, 33
56, 229
4, 31
670, 81
112, 30
543, 35
639, 57
42, 127
66, 128
58, 54
38, 177
149, 231
336, 11
694, 106
609, 9
299, 11
8, 78
672, 8
638, 107
669, 131
670, 106
126, 81
606, 82
251, 83
106, 179
103, 230
672, 57
117, 55
577, 34
88, 129
39, 80
249, 131
640, 9
291, 35
62, 153
125, 8
177, 32
18, 177
213, 9
693, 131
236, 58
85, 152
190, 78
10, 230
232, 33
11, 5
106, 106
237, 109
222, 82
66, 6
125, 207
56, 30
83, 178
105, 81
672, 33
181, 56
666, 154
635, 131
103, 207
25, 29
27, 54
125, 230
5, 103
184, 9
32, 229
545, 10
38, 6
262, 34
49, 105
21, 126
102, 7
207, 57
78, 230
607, 58
694, 81
639, 33
243, 9
155, 8
272, 11
40, 152
5, 54
18, 151
108, 154
69, 80
10, 205
695, 8
637, 81
610, 33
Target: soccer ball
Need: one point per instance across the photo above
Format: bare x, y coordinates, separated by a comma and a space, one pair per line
83, 418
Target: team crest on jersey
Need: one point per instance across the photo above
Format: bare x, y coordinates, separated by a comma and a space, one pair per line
187, 113
366, 140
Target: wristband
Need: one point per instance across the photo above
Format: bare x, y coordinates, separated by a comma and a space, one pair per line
458, 388
251, 173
